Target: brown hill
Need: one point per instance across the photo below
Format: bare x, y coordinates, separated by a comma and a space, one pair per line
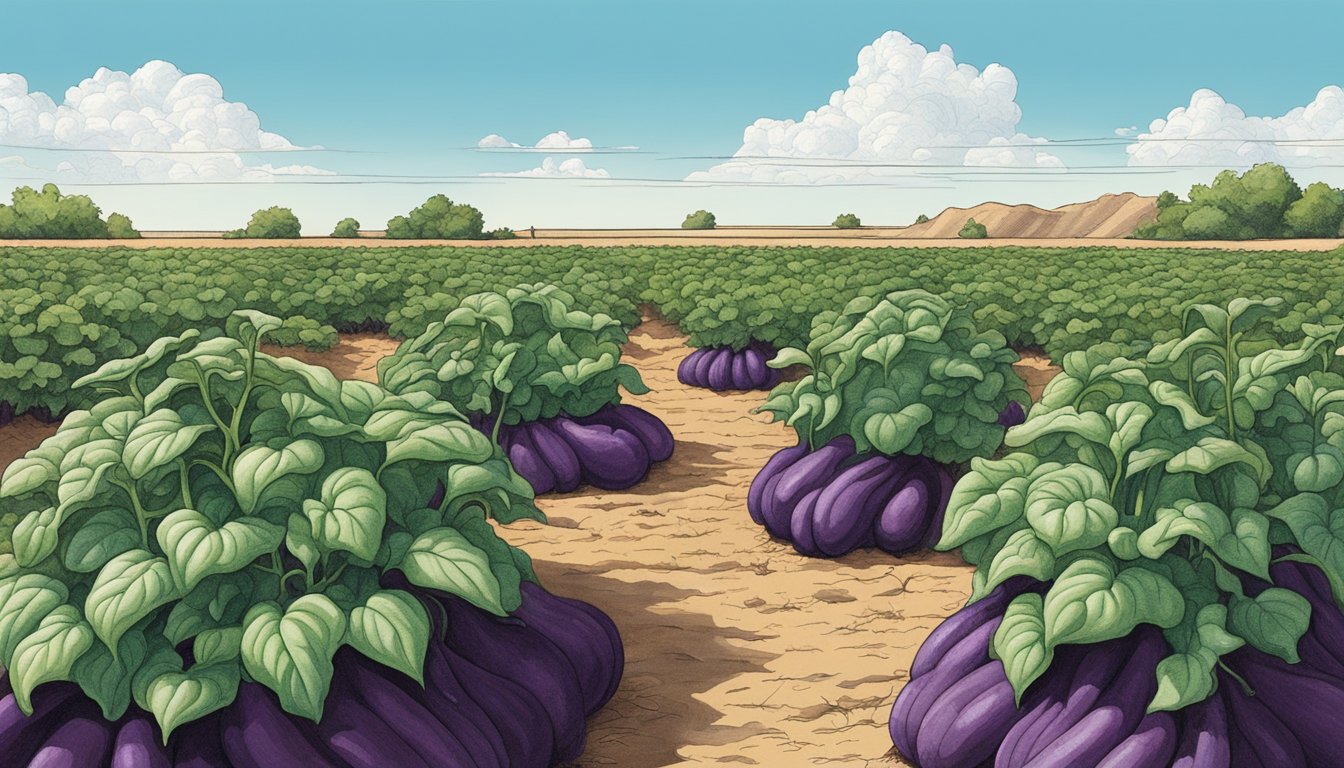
1109, 216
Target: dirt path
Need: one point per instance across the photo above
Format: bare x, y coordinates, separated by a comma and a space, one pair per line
739, 650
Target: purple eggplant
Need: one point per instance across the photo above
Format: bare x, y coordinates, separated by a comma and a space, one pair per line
515, 652
1115, 714
739, 377
1204, 742
198, 745
966, 723
20, 734
941, 495
138, 745
915, 699
720, 373
78, 743
557, 455
1012, 415
446, 697
1150, 746
761, 375
762, 483
585, 635
903, 521
258, 734
421, 729
964, 622
527, 461
702, 366
686, 370
1308, 703
358, 736
650, 430
849, 504
608, 458
800, 531
810, 473
522, 721
1257, 738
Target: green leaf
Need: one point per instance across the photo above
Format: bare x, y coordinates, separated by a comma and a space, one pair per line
1124, 543
299, 540
258, 466
1187, 676
1166, 393
455, 441
221, 644
104, 536
106, 678
893, 432
442, 558
176, 697
125, 591
351, 513
1070, 508
1090, 602
1240, 539
1019, 643
392, 628
159, 439
790, 356
47, 654
1319, 471
195, 548
1066, 420
25, 599
36, 536
1213, 453
115, 371
1274, 621
290, 652
993, 494
1022, 555
1319, 530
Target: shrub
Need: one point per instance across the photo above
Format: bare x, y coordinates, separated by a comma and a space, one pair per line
119, 227
973, 230
846, 221
48, 214
503, 233
921, 219
438, 219
699, 220
272, 223
346, 227
1317, 214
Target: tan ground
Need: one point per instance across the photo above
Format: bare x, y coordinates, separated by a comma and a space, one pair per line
867, 237
739, 650
1109, 216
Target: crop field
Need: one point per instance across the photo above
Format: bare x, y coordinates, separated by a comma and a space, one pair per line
821, 505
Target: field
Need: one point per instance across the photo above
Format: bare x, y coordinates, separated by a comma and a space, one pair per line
738, 650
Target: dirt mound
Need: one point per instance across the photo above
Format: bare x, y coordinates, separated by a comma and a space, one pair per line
1109, 216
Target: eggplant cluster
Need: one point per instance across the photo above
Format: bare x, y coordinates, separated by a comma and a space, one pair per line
1089, 708
725, 368
498, 692
612, 449
832, 500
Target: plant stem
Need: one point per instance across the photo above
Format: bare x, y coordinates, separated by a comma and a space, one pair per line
499, 419
1245, 686
186, 484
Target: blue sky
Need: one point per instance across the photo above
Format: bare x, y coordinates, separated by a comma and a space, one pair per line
409, 87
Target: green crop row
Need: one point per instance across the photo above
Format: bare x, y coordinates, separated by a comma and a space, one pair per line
65, 311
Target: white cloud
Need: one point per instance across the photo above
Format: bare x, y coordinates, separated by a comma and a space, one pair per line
559, 141
1130, 131
550, 168
157, 109
905, 105
1212, 131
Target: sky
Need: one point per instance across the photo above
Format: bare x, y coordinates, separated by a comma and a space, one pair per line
192, 115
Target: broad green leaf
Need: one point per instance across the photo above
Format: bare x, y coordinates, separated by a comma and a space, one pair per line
299, 540
1187, 676
1274, 621
1319, 530
456, 441
258, 466
1067, 420
1128, 420
48, 653
159, 439
1019, 643
1241, 539
442, 558
1090, 602
990, 496
290, 652
115, 371
36, 536
893, 432
25, 599
106, 678
392, 628
30, 472
195, 548
1318, 471
1166, 393
1023, 555
1213, 453
1124, 543
1070, 508
351, 513
221, 644
104, 536
789, 356
176, 697
126, 590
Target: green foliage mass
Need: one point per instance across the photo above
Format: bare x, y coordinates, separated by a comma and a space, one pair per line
346, 227
438, 219
1263, 202
973, 230
49, 215
846, 221
518, 356
248, 504
906, 373
274, 223
1144, 488
699, 220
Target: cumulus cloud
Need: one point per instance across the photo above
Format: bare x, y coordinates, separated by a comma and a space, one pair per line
1212, 131
550, 168
1130, 131
905, 105
155, 124
559, 141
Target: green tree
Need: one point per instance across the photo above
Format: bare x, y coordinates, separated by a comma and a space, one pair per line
1317, 214
438, 219
846, 221
48, 214
921, 219
346, 227
699, 220
270, 223
973, 230
119, 227
1170, 221
1255, 201
1207, 222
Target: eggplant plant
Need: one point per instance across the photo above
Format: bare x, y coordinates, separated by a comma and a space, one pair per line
543, 381
223, 520
1194, 492
902, 389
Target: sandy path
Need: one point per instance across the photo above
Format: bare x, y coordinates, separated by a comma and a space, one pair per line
739, 650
